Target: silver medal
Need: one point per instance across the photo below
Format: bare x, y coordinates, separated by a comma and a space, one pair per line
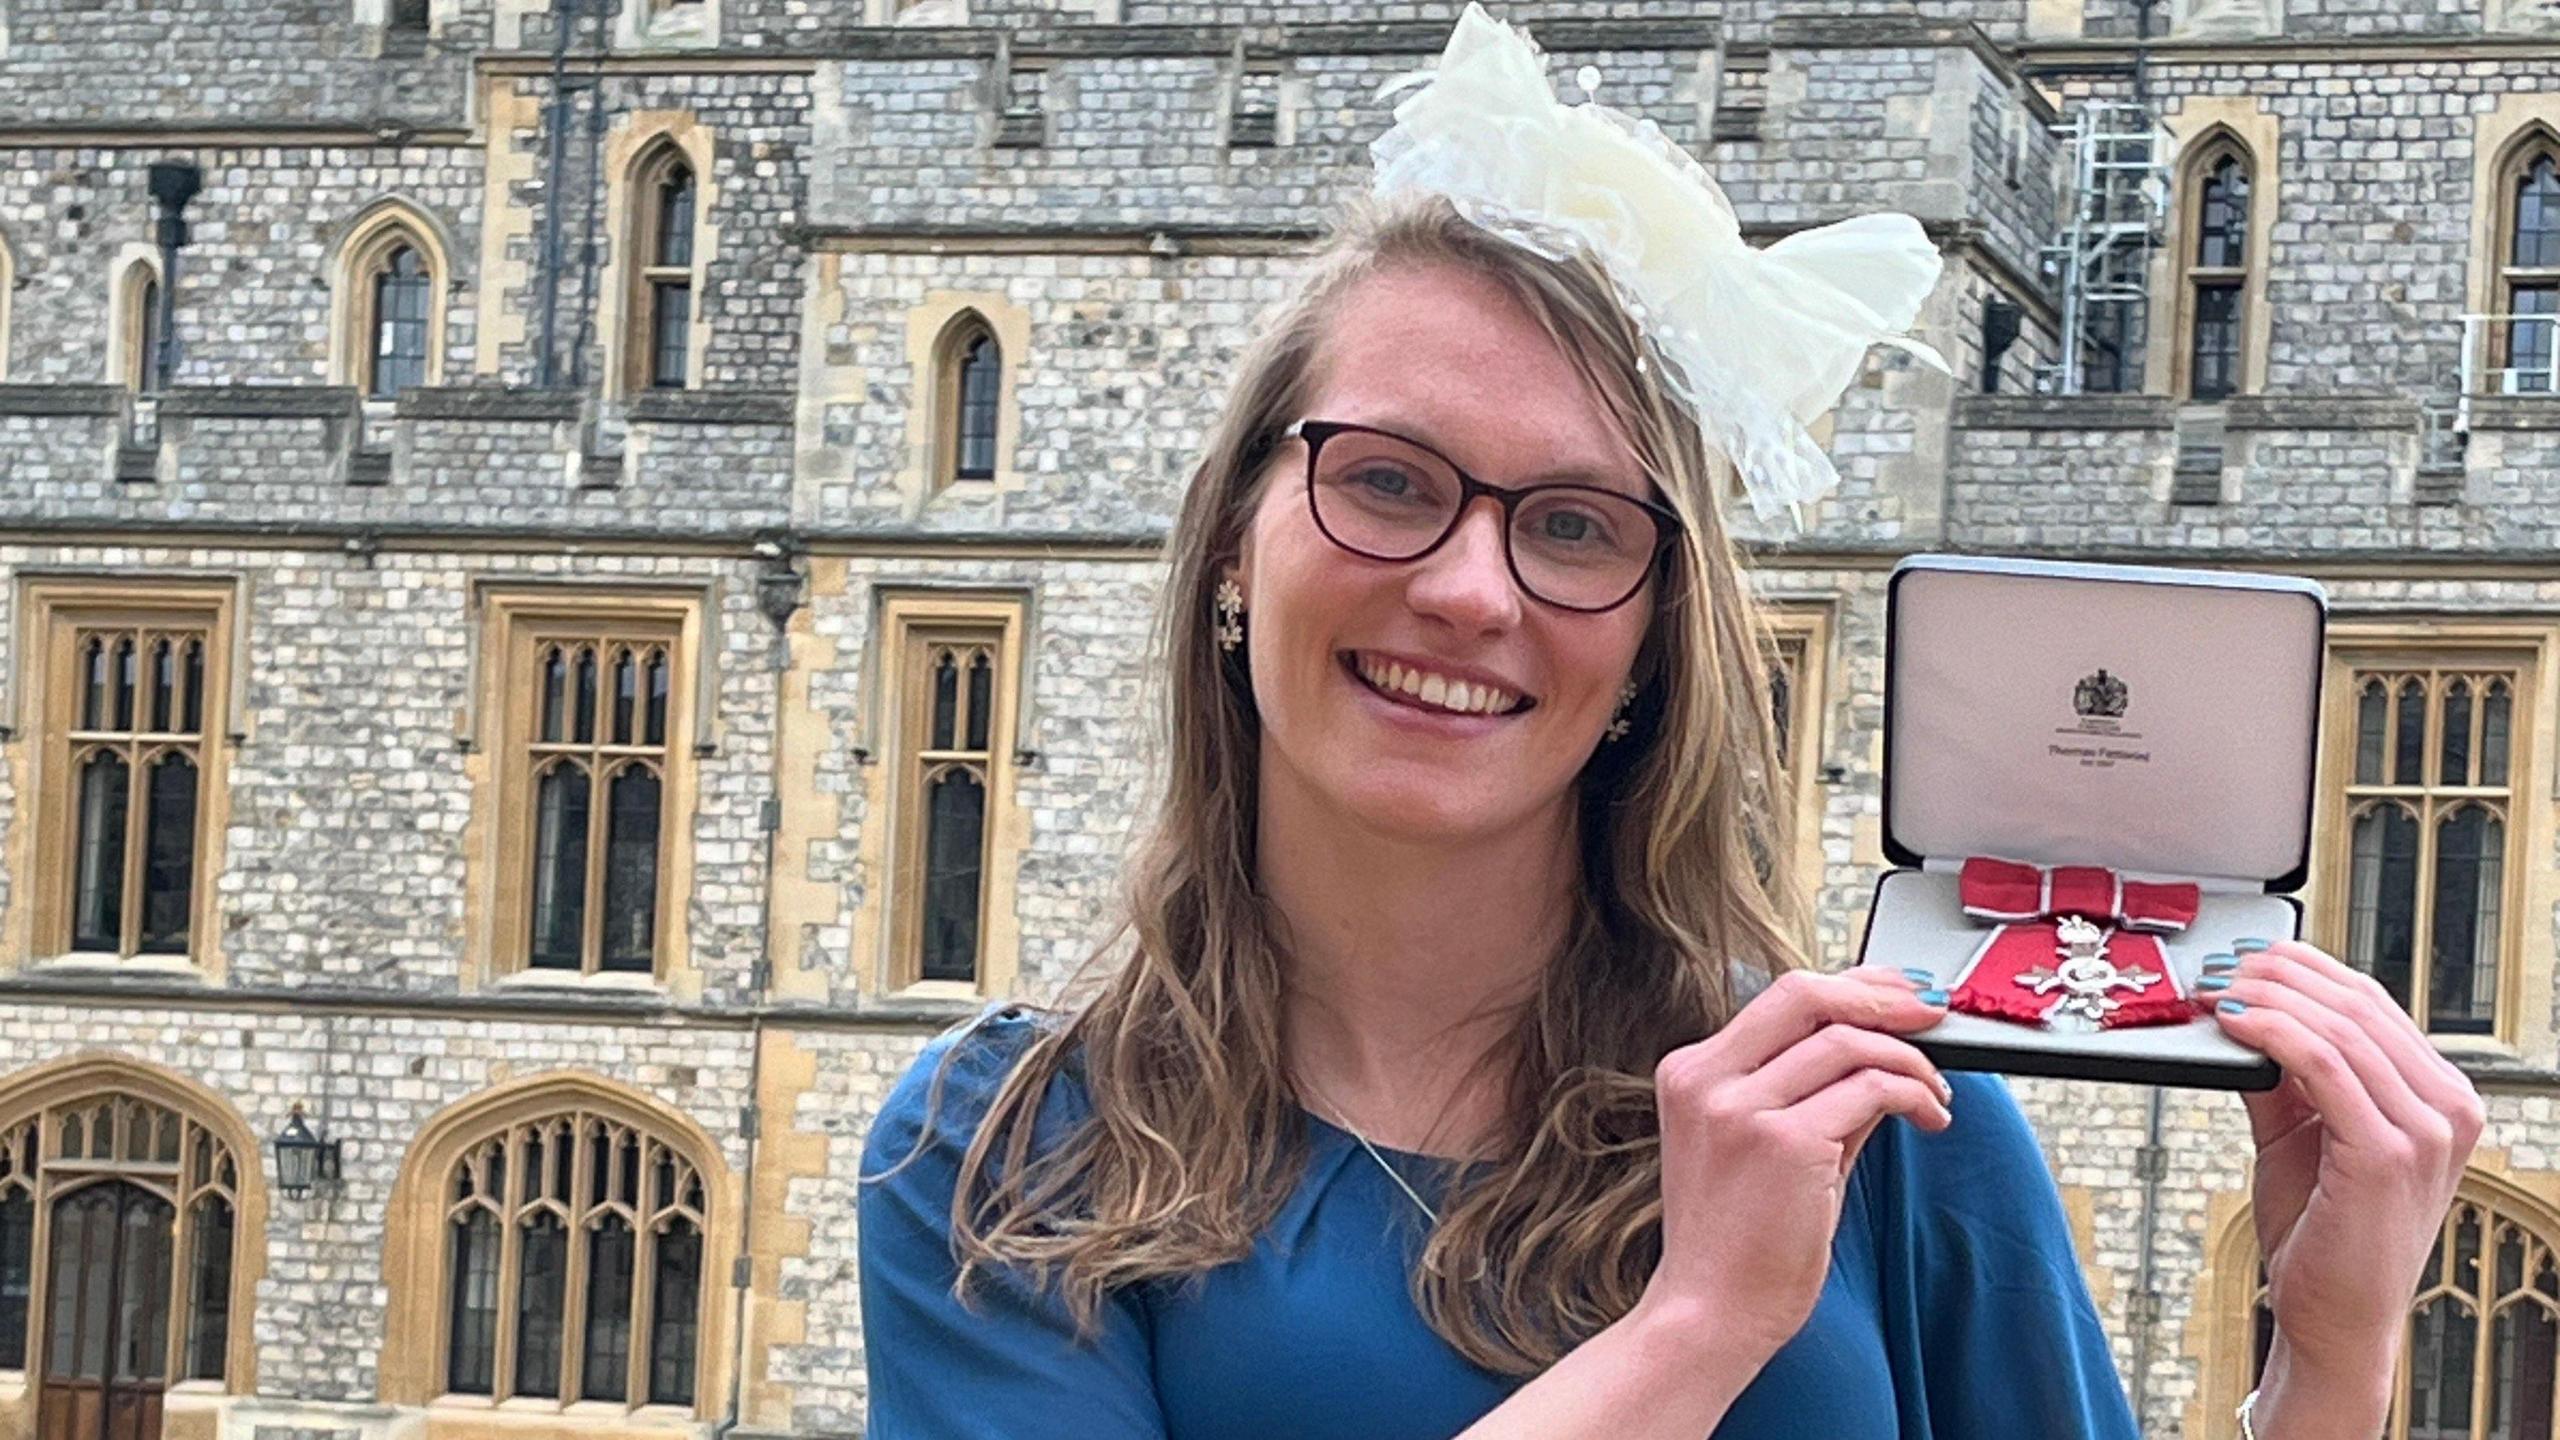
2086, 978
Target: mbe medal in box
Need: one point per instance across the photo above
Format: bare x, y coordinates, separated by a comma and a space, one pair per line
2094, 777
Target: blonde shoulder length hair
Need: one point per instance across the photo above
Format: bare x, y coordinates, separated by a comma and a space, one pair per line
1195, 1135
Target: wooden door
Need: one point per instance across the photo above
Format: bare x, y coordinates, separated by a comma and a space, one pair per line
107, 1334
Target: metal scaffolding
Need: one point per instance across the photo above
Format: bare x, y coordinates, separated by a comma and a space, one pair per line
2115, 210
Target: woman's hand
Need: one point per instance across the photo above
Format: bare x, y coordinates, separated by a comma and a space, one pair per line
2359, 1151
1761, 1123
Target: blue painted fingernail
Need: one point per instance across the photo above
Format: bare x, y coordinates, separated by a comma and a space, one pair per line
2214, 982
1933, 997
2221, 962
2248, 947
1921, 977
2232, 1007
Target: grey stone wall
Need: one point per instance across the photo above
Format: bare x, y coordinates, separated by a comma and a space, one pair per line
111, 62
254, 284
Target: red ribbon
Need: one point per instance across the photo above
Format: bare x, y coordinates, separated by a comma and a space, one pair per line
2012, 890
2031, 903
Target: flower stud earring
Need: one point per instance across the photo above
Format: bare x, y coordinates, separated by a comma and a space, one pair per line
1619, 724
1230, 615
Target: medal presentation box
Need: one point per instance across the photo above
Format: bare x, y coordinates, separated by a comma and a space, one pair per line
2137, 746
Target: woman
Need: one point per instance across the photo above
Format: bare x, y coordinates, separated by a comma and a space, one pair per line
1459, 1077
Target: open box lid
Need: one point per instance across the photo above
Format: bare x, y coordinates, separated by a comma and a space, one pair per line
2155, 721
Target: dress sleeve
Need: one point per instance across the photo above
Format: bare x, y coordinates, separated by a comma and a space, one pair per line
1987, 1315
1007, 1365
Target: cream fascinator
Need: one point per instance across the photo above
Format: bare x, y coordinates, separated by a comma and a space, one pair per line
1761, 342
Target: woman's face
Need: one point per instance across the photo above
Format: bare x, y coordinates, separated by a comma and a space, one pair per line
1442, 356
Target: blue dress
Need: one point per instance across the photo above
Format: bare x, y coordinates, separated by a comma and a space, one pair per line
1954, 1309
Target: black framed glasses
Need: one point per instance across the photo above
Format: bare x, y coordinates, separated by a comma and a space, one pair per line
1384, 497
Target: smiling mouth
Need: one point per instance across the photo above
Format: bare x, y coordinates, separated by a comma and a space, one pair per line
1427, 690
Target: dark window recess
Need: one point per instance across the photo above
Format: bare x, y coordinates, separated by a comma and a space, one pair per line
400, 296
542, 1292
209, 1311
2215, 364
981, 377
676, 1305
17, 1274
955, 829
2000, 324
471, 1359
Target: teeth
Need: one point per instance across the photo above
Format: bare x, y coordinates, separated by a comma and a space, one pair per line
1437, 690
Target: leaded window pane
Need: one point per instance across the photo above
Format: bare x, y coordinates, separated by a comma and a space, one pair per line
471, 1362
946, 700
675, 1314
981, 377
142, 1295
400, 303
2521, 1373
542, 1293
2493, 733
675, 219
101, 798
2443, 1338
671, 319
2222, 234
169, 854
2453, 763
2535, 237
2529, 336
17, 1274
2409, 765
2382, 904
606, 1367
955, 831
2373, 722
2215, 367
560, 867
982, 675
2463, 968
631, 871
209, 1289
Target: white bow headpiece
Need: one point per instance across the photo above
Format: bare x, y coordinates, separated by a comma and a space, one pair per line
1761, 342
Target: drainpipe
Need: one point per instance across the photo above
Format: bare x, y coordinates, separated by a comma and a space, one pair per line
173, 184
778, 590
2152, 1164
564, 15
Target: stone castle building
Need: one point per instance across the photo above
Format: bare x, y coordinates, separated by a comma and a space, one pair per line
567, 604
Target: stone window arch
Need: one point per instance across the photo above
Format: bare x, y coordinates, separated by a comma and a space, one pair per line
390, 278
133, 334
559, 1240
967, 387
2219, 264
132, 1217
665, 272
2527, 279
2481, 1355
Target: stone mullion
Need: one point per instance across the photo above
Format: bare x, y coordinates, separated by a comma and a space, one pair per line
182, 1291
599, 821
573, 1300
502, 1362
644, 1273
136, 795
40, 1248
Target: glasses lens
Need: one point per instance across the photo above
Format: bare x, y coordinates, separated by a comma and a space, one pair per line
1579, 546
1379, 496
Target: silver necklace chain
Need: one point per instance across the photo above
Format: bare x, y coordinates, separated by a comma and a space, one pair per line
1393, 1173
